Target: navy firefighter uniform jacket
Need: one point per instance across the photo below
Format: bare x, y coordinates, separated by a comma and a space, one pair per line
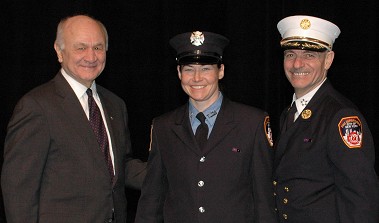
324, 164
230, 180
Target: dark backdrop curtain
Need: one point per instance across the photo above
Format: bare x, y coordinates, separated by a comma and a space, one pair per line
141, 65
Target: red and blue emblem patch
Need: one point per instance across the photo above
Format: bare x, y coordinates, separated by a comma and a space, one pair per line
350, 129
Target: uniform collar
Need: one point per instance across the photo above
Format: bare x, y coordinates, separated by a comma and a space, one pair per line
210, 113
303, 101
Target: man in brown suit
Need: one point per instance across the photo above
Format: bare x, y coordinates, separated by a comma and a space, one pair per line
54, 169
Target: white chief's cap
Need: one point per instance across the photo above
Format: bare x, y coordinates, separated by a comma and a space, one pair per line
307, 33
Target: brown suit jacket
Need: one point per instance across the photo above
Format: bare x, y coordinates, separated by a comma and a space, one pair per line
53, 168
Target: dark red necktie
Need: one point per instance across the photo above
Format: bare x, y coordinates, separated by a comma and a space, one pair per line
100, 131
201, 134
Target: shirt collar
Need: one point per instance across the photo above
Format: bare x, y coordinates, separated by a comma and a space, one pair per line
78, 88
210, 113
303, 101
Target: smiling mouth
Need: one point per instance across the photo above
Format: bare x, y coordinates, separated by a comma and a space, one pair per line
300, 74
198, 86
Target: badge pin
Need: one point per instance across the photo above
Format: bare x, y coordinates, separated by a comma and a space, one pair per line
306, 114
197, 38
305, 24
307, 140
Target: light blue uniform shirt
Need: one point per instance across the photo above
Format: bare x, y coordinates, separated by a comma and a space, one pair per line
210, 115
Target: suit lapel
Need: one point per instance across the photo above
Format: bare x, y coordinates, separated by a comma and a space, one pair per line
76, 117
108, 111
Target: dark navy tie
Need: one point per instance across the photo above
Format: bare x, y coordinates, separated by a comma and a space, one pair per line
100, 131
201, 134
291, 115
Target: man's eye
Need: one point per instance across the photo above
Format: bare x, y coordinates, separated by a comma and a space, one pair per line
288, 55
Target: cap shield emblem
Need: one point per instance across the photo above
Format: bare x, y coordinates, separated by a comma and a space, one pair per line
305, 24
197, 38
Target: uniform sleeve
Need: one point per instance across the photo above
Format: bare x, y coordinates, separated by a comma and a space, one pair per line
25, 152
262, 174
153, 193
351, 150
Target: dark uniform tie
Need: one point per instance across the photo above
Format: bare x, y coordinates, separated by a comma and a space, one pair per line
100, 131
291, 115
201, 134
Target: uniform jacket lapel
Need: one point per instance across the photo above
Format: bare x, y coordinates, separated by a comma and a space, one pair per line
182, 128
299, 125
223, 125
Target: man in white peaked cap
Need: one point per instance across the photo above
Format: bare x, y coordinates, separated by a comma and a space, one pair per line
324, 157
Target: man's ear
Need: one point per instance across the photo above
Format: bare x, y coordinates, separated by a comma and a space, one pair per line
329, 59
59, 52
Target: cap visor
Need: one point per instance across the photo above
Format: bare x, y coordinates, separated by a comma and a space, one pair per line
198, 59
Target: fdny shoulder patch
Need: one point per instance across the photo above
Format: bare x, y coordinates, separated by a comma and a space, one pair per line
268, 131
350, 129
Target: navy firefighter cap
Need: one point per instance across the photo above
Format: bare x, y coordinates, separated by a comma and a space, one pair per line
199, 47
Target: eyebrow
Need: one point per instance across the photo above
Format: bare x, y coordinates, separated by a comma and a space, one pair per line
85, 44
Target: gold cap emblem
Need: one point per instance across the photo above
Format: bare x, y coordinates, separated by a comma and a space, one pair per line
306, 114
305, 24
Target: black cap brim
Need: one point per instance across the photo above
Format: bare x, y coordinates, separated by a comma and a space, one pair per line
198, 59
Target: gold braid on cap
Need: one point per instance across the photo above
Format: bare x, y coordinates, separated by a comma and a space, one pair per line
304, 42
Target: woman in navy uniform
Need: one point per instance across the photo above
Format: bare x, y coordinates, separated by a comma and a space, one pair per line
229, 178
324, 161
